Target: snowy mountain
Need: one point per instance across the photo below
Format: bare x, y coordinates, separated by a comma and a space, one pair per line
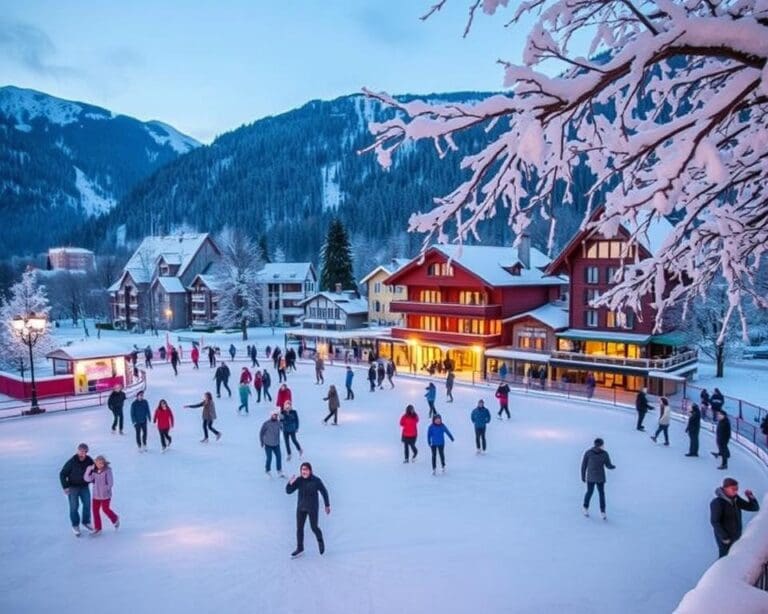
62, 162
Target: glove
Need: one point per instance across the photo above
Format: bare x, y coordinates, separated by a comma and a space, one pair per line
749, 494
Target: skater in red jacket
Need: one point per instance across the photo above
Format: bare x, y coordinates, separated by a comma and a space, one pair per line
245, 376
409, 422
164, 419
283, 395
195, 356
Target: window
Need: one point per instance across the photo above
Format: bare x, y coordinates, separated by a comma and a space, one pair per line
163, 270
377, 306
591, 295
620, 319
591, 318
377, 287
531, 338
309, 286
604, 250
593, 275
610, 275
471, 297
430, 323
440, 269
336, 314
430, 296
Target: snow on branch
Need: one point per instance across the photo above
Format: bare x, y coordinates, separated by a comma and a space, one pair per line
669, 111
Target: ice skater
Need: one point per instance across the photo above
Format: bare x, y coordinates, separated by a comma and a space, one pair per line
266, 382
502, 394
245, 376
380, 374
283, 394
725, 514
431, 395
221, 378
115, 403
409, 424
164, 419
372, 376
480, 418
319, 368
722, 436
348, 377
593, 466
209, 415
642, 406
290, 419
333, 405
244, 390
100, 473
269, 437
436, 440
449, 386
72, 478
175, 360
282, 365
195, 356
692, 428
309, 486
140, 417
665, 415
390, 373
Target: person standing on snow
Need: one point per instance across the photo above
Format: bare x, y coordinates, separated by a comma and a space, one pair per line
502, 394
269, 437
449, 386
380, 373
175, 360
692, 428
372, 376
266, 382
665, 416
195, 356
593, 466
642, 407
211, 356
722, 436
480, 417
290, 420
333, 405
209, 415
257, 384
244, 390
431, 395
140, 416
409, 424
281, 367
72, 478
436, 440
221, 377
164, 419
309, 486
232, 351
115, 403
348, 377
725, 514
319, 368
100, 473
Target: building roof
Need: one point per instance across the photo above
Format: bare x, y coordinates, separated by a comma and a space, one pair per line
212, 282
390, 267
512, 353
342, 300
172, 285
91, 349
287, 272
357, 333
69, 250
175, 249
552, 314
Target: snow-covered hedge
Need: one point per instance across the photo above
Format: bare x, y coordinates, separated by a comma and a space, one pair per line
728, 585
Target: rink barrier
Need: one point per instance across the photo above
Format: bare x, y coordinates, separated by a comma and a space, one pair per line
17, 409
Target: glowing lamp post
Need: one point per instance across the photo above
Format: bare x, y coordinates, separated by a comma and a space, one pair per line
29, 328
169, 316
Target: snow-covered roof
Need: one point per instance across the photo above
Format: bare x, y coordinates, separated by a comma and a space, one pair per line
390, 267
171, 258
211, 281
286, 272
553, 315
342, 300
69, 250
91, 349
358, 333
179, 248
172, 285
511, 353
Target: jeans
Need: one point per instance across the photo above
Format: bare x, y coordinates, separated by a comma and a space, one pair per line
504, 408
319, 377
243, 405
332, 413
141, 433
219, 384
350, 394
663, 428
165, 438
640, 418
373, 384
102, 504
258, 395
267, 396
301, 518
82, 495
600, 492
118, 419
281, 376
208, 426
694, 445
287, 437
175, 366
409, 443
722, 549
435, 451
449, 393
432, 410
270, 450
725, 454
391, 383
480, 437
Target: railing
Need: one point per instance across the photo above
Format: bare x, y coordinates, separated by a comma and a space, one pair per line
644, 363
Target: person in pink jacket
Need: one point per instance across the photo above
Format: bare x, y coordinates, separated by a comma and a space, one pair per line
100, 473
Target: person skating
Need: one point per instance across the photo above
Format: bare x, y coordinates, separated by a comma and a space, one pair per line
115, 403
319, 368
140, 417
282, 365
409, 422
283, 395
253, 355
221, 377
642, 407
431, 395
269, 437
72, 478
164, 419
266, 382
725, 514
593, 466
480, 417
290, 419
209, 415
503, 371
390, 367
348, 377
232, 351
309, 487
333, 405
380, 374
211, 356
244, 390
162, 352
245, 376
665, 416
436, 440
449, 386
717, 401
591, 383
692, 428
100, 474
704, 398
175, 360
502, 394
372, 376
258, 383
722, 436
148, 357
195, 356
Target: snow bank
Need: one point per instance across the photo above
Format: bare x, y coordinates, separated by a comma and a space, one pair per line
728, 586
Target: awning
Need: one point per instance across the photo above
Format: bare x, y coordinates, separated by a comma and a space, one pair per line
514, 354
673, 338
599, 335
677, 374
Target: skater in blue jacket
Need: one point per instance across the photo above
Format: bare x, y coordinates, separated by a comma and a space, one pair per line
480, 418
431, 395
436, 440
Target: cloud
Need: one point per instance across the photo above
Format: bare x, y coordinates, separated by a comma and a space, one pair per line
31, 48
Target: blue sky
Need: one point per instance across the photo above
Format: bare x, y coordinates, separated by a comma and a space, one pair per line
208, 67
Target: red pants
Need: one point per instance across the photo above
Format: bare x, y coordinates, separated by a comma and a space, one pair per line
102, 504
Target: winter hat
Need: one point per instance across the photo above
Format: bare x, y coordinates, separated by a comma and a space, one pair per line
599, 442
729, 482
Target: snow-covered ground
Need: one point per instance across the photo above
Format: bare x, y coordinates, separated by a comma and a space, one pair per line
203, 530
745, 379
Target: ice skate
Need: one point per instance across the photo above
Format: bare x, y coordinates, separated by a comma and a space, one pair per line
297, 553
76, 531
321, 546
443, 470
268, 474
604, 515
585, 511
434, 472
89, 527
218, 436
96, 533
117, 524
280, 474
204, 440
288, 457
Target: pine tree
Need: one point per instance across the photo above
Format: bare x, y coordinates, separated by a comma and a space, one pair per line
264, 248
336, 257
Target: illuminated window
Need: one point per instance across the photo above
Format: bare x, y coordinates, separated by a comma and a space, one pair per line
430, 296
471, 297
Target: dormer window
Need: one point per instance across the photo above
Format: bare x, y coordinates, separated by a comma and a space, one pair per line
164, 270
440, 269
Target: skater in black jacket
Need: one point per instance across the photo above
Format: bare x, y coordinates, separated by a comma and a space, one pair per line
593, 467
309, 486
115, 403
725, 513
692, 428
723, 436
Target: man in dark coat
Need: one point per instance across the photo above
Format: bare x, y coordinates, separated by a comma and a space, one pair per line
308, 485
72, 478
115, 403
692, 428
725, 513
723, 436
593, 467
222, 379
642, 406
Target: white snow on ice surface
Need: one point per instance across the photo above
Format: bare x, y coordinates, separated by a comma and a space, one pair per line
92, 198
163, 134
204, 531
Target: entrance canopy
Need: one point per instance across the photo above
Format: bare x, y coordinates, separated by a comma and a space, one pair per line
674, 338
599, 335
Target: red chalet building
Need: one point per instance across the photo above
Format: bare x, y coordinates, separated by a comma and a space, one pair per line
459, 302
619, 348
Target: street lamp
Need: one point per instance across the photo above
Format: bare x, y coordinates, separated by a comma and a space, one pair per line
29, 328
168, 316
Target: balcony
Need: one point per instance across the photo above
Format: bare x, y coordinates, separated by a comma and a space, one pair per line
658, 364
198, 310
445, 337
447, 309
198, 297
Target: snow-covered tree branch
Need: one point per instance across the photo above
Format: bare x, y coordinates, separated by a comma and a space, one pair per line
668, 107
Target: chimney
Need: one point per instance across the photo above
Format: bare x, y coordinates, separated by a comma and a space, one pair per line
524, 250
338, 288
